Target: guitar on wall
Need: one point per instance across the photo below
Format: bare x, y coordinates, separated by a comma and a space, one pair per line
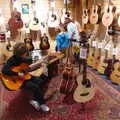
85, 89
52, 16
108, 16
65, 12
85, 14
95, 14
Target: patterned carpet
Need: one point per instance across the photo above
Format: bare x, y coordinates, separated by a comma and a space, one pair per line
15, 106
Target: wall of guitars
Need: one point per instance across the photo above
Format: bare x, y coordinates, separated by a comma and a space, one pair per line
102, 18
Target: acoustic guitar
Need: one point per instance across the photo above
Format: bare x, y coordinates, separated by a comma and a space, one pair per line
95, 14
15, 82
85, 17
104, 59
65, 13
108, 16
44, 44
85, 89
115, 75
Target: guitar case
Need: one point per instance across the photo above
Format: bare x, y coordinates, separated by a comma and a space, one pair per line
68, 81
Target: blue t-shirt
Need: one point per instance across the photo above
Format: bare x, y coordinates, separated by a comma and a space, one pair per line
62, 40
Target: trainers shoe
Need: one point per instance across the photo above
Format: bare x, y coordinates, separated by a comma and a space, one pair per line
35, 104
44, 108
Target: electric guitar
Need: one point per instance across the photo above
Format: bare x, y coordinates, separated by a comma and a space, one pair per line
85, 89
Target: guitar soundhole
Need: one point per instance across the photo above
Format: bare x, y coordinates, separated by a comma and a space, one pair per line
84, 94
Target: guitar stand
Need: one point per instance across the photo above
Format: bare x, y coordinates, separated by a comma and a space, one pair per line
82, 109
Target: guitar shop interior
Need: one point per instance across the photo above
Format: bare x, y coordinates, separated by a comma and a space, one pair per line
59, 60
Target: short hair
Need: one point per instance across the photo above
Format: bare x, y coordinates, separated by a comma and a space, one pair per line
19, 49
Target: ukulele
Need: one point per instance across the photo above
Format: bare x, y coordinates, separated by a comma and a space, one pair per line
44, 44
95, 14
108, 16
84, 91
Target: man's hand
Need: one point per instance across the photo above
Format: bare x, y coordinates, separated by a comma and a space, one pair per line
20, 74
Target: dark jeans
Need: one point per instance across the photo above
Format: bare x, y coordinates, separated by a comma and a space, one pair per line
34, 85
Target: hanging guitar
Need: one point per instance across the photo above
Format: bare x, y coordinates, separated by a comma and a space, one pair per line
52, 16
15, 22
84, 91
108, 16
95, 14
65, 13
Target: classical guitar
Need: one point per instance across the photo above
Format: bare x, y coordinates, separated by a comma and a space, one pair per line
52, 16
15, 82
92, 46
108, 16
95, 14
115, 75
85, 90
104, 59
65, 12
44, 43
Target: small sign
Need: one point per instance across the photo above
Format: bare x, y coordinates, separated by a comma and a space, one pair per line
114, 51
94, 44
83, 53
100, 45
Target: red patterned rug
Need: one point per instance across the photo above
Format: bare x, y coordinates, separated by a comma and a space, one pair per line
15, 106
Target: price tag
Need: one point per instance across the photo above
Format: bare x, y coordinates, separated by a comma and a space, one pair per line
73, 43
107, 47
114, 51
52, 4
100, 45
8, 34
94, 44
83, 53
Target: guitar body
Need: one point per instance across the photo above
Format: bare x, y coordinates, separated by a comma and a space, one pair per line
115, 75
82, 93
44, 44
103, 65
15, 82
85, 16
94, 16
108, 16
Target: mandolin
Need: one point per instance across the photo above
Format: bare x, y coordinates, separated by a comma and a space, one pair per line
85, 90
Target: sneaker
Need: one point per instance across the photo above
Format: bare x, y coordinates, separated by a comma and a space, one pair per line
44, 108
35, 104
